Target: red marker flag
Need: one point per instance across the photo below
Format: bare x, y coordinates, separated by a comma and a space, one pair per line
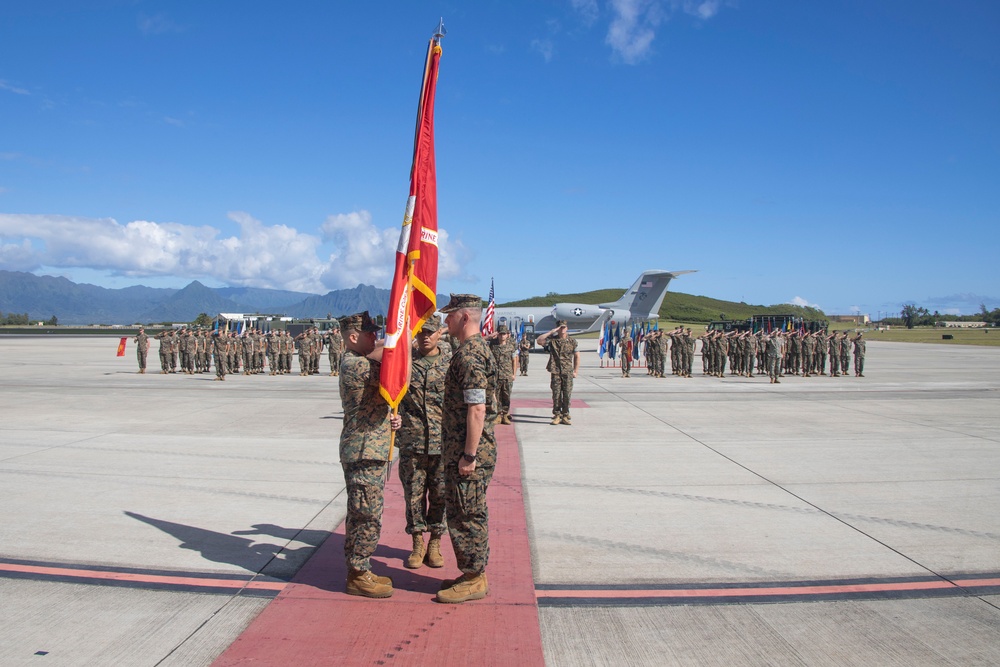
121, 346
413, 295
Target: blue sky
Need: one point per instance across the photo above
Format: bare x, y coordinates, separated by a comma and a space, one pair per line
838, 154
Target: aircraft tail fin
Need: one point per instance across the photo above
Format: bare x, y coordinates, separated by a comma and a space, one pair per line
644, 298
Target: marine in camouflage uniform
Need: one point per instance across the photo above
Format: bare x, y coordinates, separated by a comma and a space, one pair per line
845, 356
315, 350
288, 349
859, 355
421, 470
808, 349
334, 348
220, 348
661, 354
833, 347
502, 347
468, 447
364, 454
164, 350
305, 342
819, 357
652, 352
706, 352
625, 354
141, 348
524, 354
774, 351
564, 362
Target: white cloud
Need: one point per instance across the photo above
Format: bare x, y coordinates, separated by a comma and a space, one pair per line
799, 301
545, 47
157, 24
703, 9
13, 89
633, 28
364, 253
634, 23
587, 9
275, 256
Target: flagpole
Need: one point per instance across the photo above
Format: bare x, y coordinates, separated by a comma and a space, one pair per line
416, 255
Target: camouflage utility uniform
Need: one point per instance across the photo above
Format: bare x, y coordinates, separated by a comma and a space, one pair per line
364, 454
504, 355
562, 357
141, 349
523, 354
420, 469
472, 379
335, 348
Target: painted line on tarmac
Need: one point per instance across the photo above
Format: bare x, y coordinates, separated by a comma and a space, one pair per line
583, 595
193, 582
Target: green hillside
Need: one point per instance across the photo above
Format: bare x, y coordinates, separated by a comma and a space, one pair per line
679, 307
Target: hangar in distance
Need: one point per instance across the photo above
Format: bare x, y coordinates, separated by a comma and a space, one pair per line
640, 302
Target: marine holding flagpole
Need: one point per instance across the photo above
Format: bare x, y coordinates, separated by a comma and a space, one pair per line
374, 377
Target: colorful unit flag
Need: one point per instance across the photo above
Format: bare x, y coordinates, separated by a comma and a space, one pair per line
121, 347
413, 295
488, 327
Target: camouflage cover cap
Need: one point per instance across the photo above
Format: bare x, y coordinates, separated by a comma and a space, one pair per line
460, 301
432, 324
561, 323
502, 329
359, 322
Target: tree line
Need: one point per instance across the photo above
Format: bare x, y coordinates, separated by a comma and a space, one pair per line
911, 315
22, 319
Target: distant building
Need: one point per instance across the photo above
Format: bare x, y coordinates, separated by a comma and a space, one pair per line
962, 325
856, 319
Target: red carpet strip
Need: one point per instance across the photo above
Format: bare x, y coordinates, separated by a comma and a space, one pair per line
313, 622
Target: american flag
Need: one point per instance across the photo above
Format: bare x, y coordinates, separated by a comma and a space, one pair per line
488, 321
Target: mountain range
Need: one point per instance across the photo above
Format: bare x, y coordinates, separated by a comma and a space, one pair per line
41, 297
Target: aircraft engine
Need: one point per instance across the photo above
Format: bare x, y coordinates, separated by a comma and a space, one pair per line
575, 311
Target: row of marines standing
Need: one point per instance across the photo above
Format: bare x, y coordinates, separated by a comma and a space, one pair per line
193, 351
777, 353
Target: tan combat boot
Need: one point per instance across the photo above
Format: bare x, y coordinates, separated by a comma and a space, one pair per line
416, 557
566, 420
468, 587
505, 418
366, 584
557, 419
434, 557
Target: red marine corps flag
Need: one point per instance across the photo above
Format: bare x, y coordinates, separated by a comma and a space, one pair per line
413, 297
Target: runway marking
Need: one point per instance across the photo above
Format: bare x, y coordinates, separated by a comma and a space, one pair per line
553, 595
135, 578
768, 592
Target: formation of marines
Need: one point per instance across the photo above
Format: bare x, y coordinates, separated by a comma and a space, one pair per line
678, 345
775, 353
193, 351
778, 353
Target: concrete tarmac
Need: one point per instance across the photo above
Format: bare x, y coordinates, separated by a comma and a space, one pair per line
147, 519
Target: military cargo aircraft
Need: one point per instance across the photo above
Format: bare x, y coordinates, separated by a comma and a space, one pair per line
640, 302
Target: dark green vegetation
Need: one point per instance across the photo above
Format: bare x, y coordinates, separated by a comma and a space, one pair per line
680, 307
913, 315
